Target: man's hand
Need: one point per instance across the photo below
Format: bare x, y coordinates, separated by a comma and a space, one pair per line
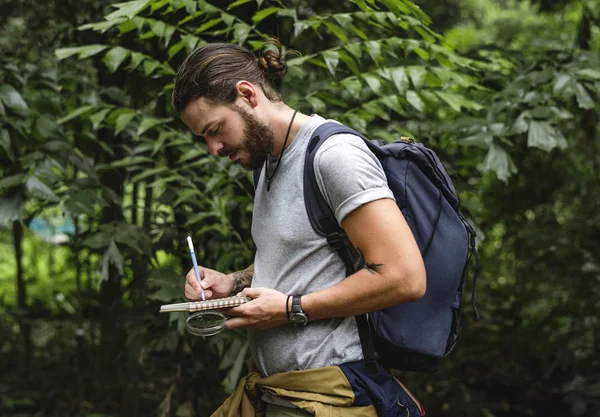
266, 310
215, 284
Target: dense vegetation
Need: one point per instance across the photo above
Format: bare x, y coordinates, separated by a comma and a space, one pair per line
100, 183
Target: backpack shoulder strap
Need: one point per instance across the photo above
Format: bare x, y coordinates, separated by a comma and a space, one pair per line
325, 224
320, 214
256, 176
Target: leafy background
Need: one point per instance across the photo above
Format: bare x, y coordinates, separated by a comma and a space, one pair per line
100, 183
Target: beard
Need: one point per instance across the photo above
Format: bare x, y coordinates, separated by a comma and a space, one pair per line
258, 140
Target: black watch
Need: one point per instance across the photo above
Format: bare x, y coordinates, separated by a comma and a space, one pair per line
297, 316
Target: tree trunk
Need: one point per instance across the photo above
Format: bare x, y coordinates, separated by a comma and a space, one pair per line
24, 325
135, 343
80, 331
589, 118
113, 334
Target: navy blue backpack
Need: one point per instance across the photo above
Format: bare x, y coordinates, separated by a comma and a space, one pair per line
413, 336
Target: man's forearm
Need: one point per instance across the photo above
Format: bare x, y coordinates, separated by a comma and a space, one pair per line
375, 286
242, 279
393, 271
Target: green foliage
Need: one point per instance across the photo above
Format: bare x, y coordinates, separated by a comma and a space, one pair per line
87, 132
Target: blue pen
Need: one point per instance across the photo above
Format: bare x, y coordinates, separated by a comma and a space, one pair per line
191, 245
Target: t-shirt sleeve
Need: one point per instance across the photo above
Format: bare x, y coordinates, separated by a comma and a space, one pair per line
349, 175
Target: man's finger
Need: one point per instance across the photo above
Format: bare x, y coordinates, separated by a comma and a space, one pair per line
191, 277
191, 274
234, 311
237, 322
251, 292
193, 281
194, 285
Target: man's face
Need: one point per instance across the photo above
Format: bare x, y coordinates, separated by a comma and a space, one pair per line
230, 131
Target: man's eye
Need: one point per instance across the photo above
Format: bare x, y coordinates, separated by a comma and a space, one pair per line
213, 132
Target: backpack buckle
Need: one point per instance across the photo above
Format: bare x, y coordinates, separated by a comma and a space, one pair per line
335, 241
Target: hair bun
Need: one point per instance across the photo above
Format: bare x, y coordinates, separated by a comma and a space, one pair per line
272, 61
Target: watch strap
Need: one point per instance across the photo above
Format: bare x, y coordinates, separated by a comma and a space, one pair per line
296, 305
287, 305
296, 315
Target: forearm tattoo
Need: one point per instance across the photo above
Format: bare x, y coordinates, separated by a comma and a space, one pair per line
368, 266
242, 279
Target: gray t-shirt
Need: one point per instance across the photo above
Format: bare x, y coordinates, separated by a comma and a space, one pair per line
292, 258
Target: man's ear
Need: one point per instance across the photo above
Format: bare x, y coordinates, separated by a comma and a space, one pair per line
247, 92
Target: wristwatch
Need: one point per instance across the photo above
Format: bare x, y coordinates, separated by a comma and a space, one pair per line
297, 316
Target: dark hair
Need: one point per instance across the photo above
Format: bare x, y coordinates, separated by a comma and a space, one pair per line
213, 70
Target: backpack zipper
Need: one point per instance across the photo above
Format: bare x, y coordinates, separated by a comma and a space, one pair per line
412, 397
436, 170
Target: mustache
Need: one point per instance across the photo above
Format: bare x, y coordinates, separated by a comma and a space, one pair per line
227, 151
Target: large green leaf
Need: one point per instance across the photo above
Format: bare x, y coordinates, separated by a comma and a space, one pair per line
241, 32
85, 202
128, 9
591, 73
83, 51
12, 98
193, 153
98, 118
239, 356
543, 136
158, 27
562, 80
456, 101
237, 3
417, 75
130, 161
136, 60
123, 121
413, 98
38, 189
317, 104
190, 42
288, 13
331, 59
336, 30
11, 207
483, 140
11, 181
498, 160
213, 22
75, 113
133, 237
373, 82
115, 57
113, 257
374, 50
5, 143
350, 62
147, 123
168, 284
584, 100
263, 14
353, 86
149, 66
149, 173
47, 127
400, 80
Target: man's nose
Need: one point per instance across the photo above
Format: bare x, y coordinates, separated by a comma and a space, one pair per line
214, 146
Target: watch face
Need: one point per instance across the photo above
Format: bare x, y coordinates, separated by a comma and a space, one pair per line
298, 319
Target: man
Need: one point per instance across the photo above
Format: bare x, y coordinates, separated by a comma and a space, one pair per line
301, 317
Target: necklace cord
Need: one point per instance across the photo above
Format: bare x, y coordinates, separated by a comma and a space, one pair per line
270, 177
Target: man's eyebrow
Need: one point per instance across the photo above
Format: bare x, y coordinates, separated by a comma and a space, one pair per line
206, 126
